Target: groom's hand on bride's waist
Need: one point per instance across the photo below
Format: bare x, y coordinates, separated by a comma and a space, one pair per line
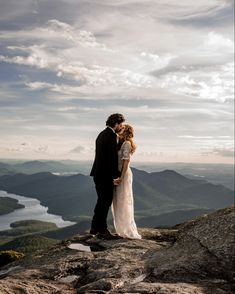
117, 181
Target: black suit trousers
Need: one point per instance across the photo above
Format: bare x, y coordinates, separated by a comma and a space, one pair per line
104, 188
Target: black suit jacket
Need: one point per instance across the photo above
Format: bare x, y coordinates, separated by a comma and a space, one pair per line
106, 156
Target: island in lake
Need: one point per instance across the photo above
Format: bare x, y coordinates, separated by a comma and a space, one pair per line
8, 205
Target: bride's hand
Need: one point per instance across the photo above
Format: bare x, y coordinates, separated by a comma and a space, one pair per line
117, 181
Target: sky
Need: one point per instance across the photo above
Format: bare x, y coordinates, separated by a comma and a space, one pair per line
166, 65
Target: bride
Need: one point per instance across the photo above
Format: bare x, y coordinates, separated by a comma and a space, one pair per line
123, 206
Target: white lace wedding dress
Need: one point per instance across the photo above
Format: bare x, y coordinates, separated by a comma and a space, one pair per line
123, 204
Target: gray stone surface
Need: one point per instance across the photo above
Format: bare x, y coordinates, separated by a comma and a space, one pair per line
196, 257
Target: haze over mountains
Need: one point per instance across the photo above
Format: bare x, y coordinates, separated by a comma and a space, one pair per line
161, 198
214, 173
35, 166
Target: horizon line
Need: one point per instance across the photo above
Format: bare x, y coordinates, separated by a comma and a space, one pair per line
134, 162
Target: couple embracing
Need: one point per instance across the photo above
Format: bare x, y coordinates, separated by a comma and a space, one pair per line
113, 180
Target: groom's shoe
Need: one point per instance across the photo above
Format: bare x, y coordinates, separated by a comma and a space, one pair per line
93, 231
106, 235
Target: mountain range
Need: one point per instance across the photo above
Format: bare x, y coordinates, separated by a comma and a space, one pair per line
155, 194
36, 166
214, 173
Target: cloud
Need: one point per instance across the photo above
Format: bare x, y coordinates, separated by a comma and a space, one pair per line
220, 14
66, 65
78, 149
68, 52
66, 108
203, 80
158, 62
60, 60
224, 152
27, 147
14, 149
39, 85
196, 137
42, 149
213, 83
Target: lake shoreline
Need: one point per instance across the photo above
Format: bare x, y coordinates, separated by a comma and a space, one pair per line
49, 209
33, 210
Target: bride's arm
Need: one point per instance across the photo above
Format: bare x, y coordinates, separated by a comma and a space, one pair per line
125, 163
125, 159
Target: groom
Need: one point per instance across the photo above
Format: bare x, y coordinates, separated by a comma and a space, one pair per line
105, 174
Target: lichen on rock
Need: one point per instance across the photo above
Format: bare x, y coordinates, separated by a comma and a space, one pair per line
8, 256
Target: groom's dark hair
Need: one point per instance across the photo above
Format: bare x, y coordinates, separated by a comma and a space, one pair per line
115, 118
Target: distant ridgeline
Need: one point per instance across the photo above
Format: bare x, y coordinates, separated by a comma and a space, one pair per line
214, 173
37, 166
161, 198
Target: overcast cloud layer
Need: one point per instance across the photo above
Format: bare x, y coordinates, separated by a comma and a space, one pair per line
167, 66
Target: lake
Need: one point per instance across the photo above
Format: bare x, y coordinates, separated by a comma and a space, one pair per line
33, 210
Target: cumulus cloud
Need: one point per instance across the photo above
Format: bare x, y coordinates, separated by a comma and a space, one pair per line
63, 62
67, 61
201, 77
216, 84
77, 55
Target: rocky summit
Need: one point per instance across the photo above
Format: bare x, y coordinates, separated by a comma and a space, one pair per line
196, 257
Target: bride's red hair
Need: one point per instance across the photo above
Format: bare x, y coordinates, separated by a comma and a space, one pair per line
127, 135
